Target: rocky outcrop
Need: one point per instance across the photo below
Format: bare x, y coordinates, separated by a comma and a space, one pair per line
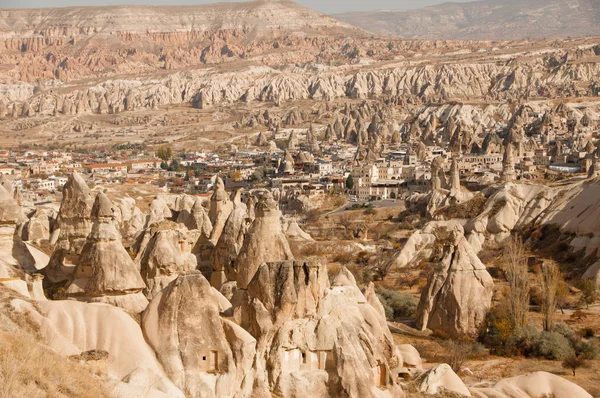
204, 353
312, 338
538, 384
129, 218
442, 378
71, 327
228, 247
105, 273
295, 233
39, 226
458, 294
265, 241
164, 254
14, 256
196, 218
73, 226
220, 208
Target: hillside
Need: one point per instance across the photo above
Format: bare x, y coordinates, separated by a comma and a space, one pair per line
485, 20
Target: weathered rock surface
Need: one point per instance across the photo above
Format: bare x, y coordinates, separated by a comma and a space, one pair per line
205, 354
313, 339
105, 272
71, 327
458, 294
220, 208
230, 242
265, 241
441, 378
74, 225
164, 254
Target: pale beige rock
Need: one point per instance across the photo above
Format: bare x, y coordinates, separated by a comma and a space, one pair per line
74, 225
205, 354
220, 208
105, 272
441, 378
265, 241
71, 327
164, 255
539, 384
226, 251
308, 333
458, 294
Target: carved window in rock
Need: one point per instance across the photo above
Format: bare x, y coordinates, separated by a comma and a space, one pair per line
379, 374
209, 362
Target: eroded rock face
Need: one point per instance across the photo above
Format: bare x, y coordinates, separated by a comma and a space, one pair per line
14, 256
539, 384
441, 378
314, 339
229, 245
164, 255
458, 294
105, 272
39, 225
70, 328
265, 241
220, 208
205, 354
74, 225
196, 218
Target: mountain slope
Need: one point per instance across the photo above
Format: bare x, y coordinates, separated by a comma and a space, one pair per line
486, 20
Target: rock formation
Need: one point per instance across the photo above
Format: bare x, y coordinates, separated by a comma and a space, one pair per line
265, 241
73, 226
458, 294
105, 273
438, 178
220, 209
14, 256
454, 175
71, 327
205, 354
312, 338
230, 243
508, 162
164, 254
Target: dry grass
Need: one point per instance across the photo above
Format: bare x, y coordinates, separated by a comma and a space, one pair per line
29, 369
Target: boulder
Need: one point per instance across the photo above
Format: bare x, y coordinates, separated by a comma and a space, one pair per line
540, 384
441, 378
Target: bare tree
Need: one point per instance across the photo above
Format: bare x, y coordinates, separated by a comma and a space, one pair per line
515, 269
345, 220
550, 279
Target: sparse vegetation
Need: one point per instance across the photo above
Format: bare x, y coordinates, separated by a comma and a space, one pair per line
550, 280
397, 304
517, 294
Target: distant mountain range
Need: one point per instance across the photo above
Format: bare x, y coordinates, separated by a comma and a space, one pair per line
486, 20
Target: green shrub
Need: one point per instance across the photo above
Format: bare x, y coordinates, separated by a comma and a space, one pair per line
401, 305
524, 340
389, 311
553, 345
558, 344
